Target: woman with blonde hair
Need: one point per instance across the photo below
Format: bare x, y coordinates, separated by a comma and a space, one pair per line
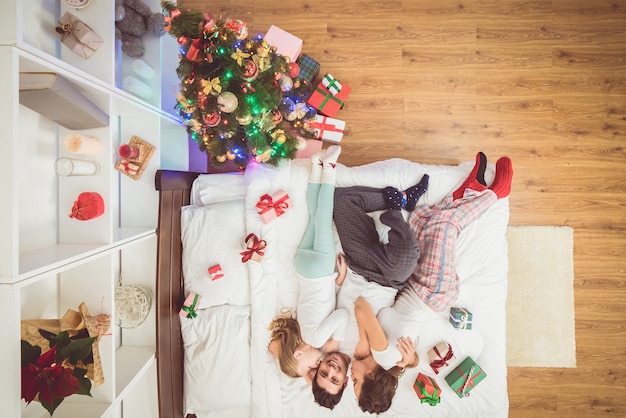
299, 345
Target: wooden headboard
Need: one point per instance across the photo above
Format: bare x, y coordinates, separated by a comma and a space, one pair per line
174, 192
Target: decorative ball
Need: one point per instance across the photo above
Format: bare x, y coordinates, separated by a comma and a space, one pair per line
281, 138
230, 155
277, 117
132, 305
212, 119
244, 120
294, 69
227, 102
251, 71
301, 145
221, 158
285, 82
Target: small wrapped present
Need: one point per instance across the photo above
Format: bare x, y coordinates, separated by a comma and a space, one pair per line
332, 84
255, 249
286, 44
328, 129
271, 207
440, 356
88, 205
189, 306
309, 68
464, 377
461, 318
326, 102
77, 36
427, 389
216, 272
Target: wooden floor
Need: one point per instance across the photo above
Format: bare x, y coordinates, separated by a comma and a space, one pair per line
543, 82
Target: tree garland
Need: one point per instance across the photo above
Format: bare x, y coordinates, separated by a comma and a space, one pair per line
237, 97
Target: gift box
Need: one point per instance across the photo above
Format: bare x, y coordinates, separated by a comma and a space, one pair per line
216, 272
427, 389
88, 205
255, 249
326, 102
286, 44
328, 129
332, 84
189, 306
461, 318
271, 207
464, 377
440, 356
77, 36
312, 146
309, 68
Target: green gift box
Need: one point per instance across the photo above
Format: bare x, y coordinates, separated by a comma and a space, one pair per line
461, 318
427, 389
464, 377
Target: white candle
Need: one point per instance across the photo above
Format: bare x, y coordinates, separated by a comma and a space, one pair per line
67, 167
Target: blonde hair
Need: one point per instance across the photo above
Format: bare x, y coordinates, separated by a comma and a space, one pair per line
286, 331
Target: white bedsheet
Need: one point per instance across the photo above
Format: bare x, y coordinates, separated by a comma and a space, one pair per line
481, 265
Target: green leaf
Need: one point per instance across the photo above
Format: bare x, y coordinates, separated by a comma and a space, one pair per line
30, 353
51, 407
84, 384
79, 349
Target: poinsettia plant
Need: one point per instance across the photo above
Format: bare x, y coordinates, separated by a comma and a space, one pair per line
59, 372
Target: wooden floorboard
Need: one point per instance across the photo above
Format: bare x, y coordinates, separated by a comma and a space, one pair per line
543, 82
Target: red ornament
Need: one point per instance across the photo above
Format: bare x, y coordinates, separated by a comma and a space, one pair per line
212, 119
87, 206
294, 69
251, 70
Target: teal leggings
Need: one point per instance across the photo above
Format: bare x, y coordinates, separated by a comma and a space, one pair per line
316, 253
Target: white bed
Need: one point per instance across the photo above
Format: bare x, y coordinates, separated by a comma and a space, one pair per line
228, 371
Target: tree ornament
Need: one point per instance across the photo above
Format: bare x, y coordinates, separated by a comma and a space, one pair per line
285, 82
230, 155
251, 70
211, 86
221, 158
212, 119
301, 145
227, 102
244, 120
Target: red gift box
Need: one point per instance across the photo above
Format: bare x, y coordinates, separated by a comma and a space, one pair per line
427, 389
271, 207
87, 206
326, 102
189, 305
255, 250
216, 272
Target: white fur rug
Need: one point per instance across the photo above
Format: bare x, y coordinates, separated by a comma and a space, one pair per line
540, 304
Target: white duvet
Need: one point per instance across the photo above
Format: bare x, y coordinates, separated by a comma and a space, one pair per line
481, 265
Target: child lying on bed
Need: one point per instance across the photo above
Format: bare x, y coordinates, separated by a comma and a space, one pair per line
300, 345
434, 285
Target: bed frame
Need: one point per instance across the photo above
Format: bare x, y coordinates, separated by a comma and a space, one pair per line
174, 192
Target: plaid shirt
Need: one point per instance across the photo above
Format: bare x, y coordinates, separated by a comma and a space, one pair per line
437, 229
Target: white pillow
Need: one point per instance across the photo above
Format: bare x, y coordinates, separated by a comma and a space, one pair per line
213, 188
217, 359
212, 235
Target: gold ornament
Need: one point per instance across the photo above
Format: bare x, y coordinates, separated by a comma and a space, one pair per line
209, 86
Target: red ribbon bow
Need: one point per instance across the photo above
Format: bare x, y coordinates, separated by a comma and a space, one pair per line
77, 211
255, 245
168, 19
266, 203
441, 361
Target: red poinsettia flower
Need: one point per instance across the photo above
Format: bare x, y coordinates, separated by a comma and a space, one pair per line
48, 379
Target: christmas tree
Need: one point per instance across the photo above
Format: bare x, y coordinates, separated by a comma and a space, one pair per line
238, 98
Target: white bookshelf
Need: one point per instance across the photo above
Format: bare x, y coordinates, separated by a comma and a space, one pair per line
49, 262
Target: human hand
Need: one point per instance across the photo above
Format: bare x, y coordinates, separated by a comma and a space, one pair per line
406, 346
362, 350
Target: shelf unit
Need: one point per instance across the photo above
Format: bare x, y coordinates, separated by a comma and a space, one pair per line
50, 262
